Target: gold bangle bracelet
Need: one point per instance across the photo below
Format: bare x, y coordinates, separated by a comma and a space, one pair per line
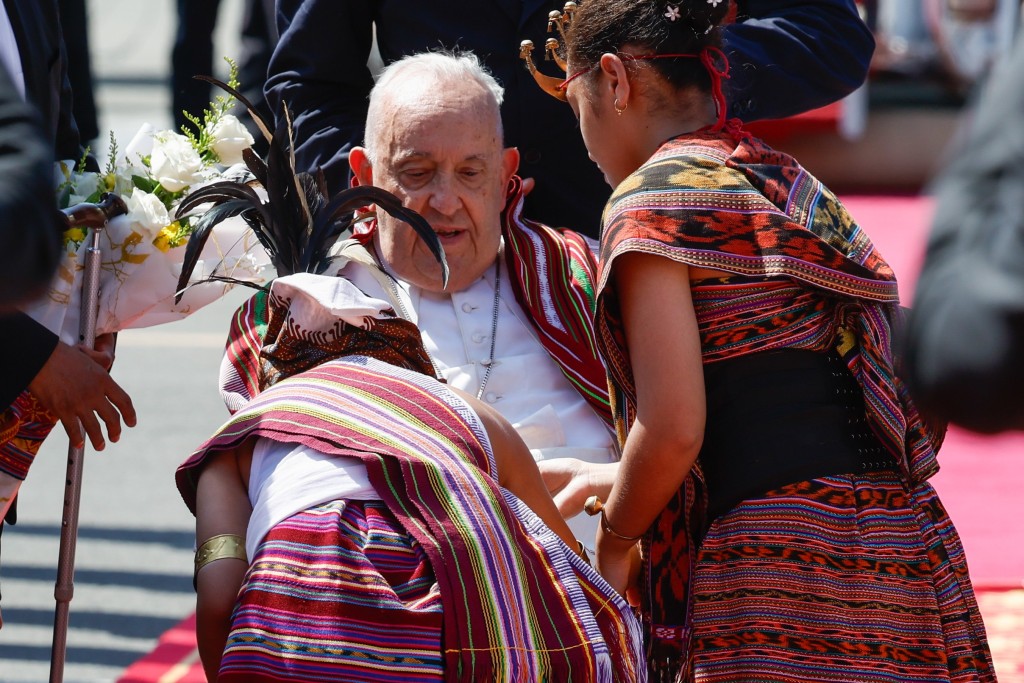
220, 547
609, 530
595, 506
582, 551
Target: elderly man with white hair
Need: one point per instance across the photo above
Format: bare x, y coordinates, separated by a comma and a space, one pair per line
513, 326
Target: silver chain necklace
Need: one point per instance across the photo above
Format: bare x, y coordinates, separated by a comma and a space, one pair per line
489, 363
495, 308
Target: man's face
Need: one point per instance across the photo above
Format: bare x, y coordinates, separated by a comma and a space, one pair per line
440, 153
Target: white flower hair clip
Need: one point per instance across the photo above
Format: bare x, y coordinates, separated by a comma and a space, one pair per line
714, 3
672, 12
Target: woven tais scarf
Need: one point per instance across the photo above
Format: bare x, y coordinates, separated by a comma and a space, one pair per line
518, 605
552, 274
288, 349
507, 612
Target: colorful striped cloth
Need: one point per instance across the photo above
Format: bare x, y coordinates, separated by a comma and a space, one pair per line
343, 589
710, 201
552, 273
844, 578
24, 425
868, 583
517, 604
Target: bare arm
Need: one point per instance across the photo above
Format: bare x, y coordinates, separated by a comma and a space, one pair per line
664, 352
517, 470
571, 481
222, 507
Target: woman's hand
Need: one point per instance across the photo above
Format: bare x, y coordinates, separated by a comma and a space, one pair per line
571, 481
618, 561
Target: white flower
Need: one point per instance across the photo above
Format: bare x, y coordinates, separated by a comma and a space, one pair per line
123, 183
672, 12
230, 138
174, 162
84, 185
147, 212
714, 3
62, 171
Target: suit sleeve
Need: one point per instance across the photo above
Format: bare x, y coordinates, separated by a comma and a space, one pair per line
791, 56
27, 346
68, 141
964, 345
29, 225
319, 71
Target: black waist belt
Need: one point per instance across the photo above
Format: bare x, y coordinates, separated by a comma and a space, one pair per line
779, 417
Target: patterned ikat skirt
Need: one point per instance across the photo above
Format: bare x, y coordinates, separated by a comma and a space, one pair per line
337, 593
845, 578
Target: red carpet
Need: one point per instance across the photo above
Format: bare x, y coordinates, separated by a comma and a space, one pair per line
981, 484
174, 660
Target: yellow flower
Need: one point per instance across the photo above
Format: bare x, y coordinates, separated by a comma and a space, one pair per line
162, 241
75, 235
170, 236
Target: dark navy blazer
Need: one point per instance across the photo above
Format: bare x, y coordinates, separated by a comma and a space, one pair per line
786, 57
26, 344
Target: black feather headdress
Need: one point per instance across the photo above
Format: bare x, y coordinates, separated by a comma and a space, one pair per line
298, 223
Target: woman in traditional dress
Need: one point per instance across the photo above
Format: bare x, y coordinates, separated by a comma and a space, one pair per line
384, 517
773, 469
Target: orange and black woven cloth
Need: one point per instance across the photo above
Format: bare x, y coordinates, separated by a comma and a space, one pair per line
852, 576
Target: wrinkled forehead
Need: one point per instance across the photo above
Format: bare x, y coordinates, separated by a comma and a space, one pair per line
427, 118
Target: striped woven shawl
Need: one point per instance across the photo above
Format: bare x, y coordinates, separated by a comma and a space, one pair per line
513, 606
807, 275
517, 603
552, 275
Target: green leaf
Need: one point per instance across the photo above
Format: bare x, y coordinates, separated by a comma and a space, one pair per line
145, 184
64, 196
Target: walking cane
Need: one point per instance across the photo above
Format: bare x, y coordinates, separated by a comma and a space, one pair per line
94, 216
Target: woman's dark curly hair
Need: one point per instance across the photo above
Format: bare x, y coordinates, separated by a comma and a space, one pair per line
601, 26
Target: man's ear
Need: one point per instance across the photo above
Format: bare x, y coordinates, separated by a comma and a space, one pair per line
509, 163
360, 164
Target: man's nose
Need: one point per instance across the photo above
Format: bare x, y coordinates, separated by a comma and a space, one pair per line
444, 196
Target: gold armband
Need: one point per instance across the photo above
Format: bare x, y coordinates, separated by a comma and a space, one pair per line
220, 547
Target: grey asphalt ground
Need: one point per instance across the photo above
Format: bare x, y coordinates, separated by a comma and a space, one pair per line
134, 555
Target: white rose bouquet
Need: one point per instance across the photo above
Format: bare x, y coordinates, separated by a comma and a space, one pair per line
143, 250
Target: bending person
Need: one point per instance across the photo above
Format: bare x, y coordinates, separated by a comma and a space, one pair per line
371, 501
774, 470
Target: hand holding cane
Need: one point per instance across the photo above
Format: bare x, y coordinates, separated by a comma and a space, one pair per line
94, 216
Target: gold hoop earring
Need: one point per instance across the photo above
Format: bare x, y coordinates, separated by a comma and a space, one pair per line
615, 105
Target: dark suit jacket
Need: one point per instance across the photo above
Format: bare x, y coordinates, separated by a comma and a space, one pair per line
29, 229
792, 56
964, 347
26, 344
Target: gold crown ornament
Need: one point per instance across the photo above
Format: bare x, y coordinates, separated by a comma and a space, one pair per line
557, 21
